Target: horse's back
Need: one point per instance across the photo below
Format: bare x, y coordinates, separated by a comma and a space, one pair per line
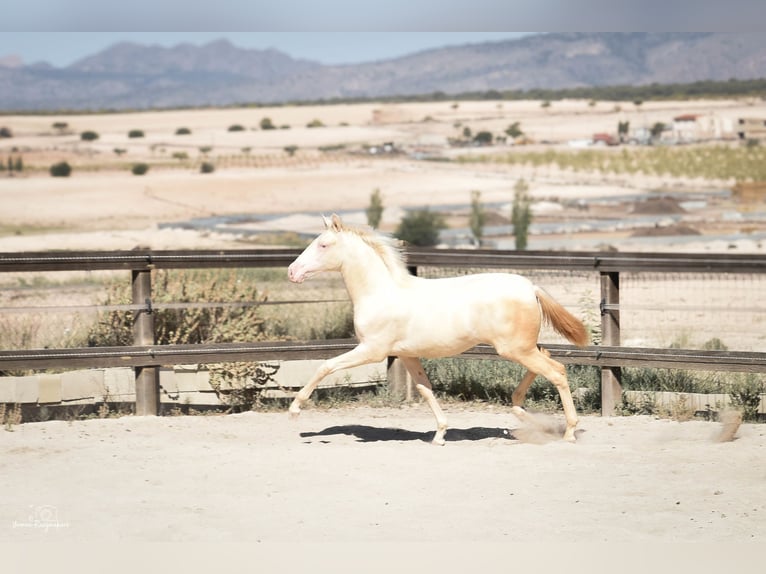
450, 315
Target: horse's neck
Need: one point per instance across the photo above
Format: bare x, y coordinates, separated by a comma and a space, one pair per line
364, 272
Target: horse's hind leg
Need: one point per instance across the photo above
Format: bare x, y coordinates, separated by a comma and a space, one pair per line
520, 392
423, 385
540, 362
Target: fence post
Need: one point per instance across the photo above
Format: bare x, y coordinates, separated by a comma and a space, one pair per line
611, 390
147, 378
398, 378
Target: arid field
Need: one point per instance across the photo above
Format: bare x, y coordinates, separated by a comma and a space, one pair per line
331, 167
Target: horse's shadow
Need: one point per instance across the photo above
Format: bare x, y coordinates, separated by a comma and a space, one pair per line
364, 433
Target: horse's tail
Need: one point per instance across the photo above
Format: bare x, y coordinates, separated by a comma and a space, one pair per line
562, 321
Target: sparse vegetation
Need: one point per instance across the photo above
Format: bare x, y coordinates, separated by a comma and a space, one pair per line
710, 162
290, 150
183, 132
236, 128
315, 124
135, 134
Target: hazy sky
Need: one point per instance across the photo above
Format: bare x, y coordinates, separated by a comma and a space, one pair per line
327, 31
64, 48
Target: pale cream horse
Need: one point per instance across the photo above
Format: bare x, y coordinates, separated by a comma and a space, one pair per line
398, 314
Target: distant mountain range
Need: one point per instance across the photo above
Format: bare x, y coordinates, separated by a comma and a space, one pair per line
133, 76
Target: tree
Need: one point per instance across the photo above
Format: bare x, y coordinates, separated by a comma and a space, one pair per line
374, 211
478, 216
19, 164
514, 130
521, 214
483, 138
656, 130
267, 125
421, 228
623, 129
290, 150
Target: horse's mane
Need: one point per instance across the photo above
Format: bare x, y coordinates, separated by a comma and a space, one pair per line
385, 247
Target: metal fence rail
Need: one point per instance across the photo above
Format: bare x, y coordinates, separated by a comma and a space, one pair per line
146, 357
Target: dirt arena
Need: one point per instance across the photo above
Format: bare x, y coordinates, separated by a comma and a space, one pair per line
370, 475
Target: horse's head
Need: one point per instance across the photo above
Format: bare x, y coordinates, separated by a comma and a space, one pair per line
321, 255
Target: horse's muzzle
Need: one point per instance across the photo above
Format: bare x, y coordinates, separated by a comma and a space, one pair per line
295, 273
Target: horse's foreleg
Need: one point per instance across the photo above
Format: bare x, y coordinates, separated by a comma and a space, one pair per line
423, 385
353, 358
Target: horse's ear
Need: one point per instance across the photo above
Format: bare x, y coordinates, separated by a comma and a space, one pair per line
337, 224
326, 222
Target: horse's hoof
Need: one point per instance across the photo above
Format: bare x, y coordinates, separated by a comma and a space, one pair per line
294, 412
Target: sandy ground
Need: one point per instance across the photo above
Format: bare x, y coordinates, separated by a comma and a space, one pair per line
369, 475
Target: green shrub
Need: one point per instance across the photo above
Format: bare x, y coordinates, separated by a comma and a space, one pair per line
183, 132
746, 395
291, 149
236, 128
139, 168
89, 136
61, 169
206, 167
421, 228
483, 138
180, 155
135, 134
315, 124
266, 124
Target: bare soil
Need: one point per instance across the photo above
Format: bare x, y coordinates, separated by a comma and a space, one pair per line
370, 475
